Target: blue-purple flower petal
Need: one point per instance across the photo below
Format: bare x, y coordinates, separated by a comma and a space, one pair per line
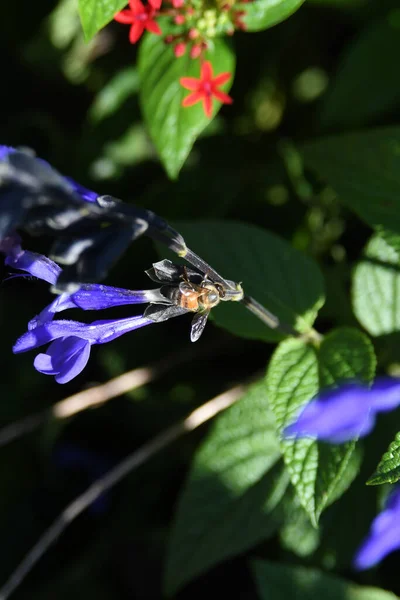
83, 192
385, 394
36, 264
384, 535
65, 358
98, 332
336, 416
5, 150
98, 297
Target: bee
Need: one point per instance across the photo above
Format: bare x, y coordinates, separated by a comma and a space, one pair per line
197, 298
186, 290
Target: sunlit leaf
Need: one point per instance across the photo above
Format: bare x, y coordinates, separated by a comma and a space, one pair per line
320, 472
174, 128
376, 288
262, 14
231, 498
95, 14
388, 470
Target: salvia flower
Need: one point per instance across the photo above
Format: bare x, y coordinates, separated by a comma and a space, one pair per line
70, 343
384, 535
23, 260
206, 88
182, 291
347, 412
139, 17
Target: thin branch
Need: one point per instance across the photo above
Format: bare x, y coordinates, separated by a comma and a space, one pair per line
139, 457
99, 394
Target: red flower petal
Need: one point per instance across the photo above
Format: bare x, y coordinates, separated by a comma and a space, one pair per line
206, 71
192, 99
207, 105
136, 32
125, 17
222, 97
137, 6
190, 83
153, 27
156, 4
221, 79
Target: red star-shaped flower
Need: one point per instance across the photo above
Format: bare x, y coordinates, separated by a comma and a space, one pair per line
140, 17
205, 88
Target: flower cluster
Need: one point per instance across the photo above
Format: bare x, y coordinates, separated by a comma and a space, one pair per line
70, 341
94, 230
347, 413
192, 26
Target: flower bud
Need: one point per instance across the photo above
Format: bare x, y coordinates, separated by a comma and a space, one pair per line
179, 19
195, 51
180, 49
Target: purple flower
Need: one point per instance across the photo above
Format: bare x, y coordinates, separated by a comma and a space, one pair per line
384, 535
23, 260
69, 351
347, 412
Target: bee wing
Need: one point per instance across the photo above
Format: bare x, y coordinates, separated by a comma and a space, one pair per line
198, 323
165, 271
161, 312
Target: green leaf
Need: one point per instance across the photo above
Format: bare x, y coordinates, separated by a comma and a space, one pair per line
95, 14
388, 470
366, 85
283, 582
262, 14
174, 128
231, 498
285, 281
363, 168
319, 472
376, 288
112, 95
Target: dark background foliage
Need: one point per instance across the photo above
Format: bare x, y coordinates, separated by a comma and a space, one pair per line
245, 167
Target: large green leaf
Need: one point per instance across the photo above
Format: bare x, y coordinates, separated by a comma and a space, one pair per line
262, 14
95, 14
366, 85
174, 128
363, 168
285, 281
388, 470
282, 582
320, 472
232, 495
376, 288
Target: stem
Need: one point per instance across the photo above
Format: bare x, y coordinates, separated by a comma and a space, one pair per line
195, 419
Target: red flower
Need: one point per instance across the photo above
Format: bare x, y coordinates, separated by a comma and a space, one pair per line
140, 17
205, 88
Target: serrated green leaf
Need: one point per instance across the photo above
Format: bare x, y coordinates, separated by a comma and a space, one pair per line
262, 14
363, 169
351, 99
283, 582
388, 470
285, 281
320, 472
95, 14
376, 288
174, 128
231, 498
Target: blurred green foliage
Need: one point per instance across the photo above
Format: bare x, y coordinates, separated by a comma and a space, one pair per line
328, 69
